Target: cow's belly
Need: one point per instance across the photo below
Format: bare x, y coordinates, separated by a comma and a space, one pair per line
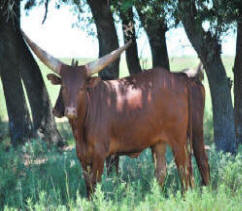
135, 142
142, 132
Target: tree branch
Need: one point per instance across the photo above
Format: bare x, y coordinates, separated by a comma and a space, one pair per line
46, 11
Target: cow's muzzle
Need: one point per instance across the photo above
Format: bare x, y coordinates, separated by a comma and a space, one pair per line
70, 112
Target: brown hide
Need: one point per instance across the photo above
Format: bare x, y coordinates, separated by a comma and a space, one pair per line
197, 93
151, 103
128, 115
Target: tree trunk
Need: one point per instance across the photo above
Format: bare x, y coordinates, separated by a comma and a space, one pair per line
238, 84
158, 47
208, 50
155, 30
223, 116
20, 64
107, 36
19, 119
132, 57
43, 120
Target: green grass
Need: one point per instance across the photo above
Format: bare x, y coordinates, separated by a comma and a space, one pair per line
53, 181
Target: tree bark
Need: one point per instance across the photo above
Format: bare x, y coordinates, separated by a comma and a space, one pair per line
155, 30
107, 36
208, 50
20, 127
238, 84
132, 57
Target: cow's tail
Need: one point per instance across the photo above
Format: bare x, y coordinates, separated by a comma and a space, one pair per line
199, 75
190, 138
190, 135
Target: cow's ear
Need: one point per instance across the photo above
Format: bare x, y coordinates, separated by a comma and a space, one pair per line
54, 79
93, 81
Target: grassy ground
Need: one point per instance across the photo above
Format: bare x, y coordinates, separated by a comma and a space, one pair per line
36, 178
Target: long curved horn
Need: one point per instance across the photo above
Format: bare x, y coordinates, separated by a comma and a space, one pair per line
98, 65
51, 62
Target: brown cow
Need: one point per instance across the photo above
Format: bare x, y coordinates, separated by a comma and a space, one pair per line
125, 116
194, 78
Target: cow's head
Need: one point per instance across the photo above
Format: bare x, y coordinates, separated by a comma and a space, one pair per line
59, 108
74, 80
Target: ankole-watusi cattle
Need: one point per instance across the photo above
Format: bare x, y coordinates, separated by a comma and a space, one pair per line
125, 116
194, 79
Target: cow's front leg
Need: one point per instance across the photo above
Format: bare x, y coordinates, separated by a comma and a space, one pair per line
93, 174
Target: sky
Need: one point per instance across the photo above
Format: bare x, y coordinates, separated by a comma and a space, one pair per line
59, 38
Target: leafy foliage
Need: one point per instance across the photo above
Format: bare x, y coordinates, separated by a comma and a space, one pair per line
216, 16
220, 14
159, 10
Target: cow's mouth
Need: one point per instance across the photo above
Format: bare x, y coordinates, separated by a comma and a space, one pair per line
71, 113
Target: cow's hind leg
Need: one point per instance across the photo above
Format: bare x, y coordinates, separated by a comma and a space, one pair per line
158, 152
201, 159
183, 163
